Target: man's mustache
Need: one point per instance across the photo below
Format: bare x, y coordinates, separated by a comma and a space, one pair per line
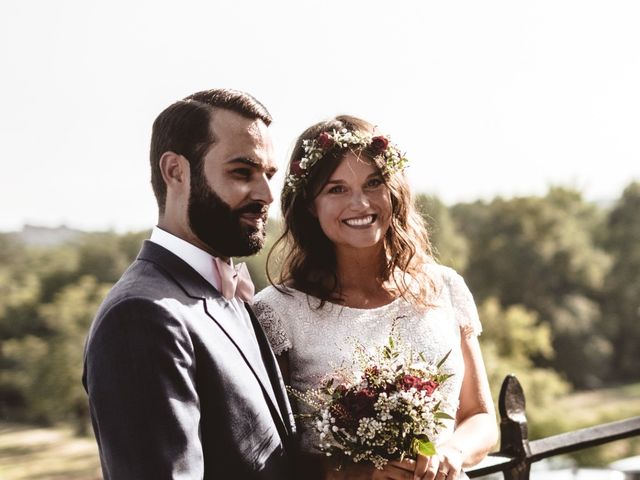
253, 208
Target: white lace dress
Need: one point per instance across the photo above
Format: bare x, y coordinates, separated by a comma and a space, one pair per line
320, 340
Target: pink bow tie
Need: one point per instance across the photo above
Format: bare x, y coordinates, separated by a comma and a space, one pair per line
234, 282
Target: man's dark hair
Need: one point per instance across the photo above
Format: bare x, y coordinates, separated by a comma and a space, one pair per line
183, 128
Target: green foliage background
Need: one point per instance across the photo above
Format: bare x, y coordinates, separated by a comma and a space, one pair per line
556, 280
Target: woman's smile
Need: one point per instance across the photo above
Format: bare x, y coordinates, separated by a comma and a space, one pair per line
360, 222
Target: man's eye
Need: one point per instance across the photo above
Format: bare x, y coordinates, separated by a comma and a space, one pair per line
242, 172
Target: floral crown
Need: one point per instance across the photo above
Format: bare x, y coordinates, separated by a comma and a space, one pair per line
314, 149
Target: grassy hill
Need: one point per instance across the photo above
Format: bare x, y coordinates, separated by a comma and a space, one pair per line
588, 408
46, 454
602, 405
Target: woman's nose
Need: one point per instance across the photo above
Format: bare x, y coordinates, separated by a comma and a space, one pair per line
359, 198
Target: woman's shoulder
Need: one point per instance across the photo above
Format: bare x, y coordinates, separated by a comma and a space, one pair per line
273, 310
266, 294
460, 298
279, 296
442, 275
448, 281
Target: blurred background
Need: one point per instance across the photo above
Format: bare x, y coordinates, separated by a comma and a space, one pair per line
520, 119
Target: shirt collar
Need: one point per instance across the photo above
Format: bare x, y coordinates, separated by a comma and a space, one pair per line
196, 258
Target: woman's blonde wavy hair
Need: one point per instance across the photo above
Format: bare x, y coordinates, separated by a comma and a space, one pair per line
307, 256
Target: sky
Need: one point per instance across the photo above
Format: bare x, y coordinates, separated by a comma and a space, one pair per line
491, 98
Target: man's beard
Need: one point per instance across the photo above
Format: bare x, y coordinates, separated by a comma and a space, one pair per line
219, 227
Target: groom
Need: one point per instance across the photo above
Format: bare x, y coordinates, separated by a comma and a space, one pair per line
181, 381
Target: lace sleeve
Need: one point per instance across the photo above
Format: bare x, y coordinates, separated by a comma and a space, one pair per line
464, 307
273, 326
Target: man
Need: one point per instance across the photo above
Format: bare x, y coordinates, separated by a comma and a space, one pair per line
181, 381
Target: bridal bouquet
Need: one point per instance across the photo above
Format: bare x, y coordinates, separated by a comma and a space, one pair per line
386, 408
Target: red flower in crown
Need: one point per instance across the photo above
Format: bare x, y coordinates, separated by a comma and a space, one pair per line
324, 141
295, 168
379, 144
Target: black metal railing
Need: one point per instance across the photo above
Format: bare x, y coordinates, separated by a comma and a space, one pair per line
517, 453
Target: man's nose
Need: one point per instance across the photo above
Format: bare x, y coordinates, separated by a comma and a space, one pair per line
262, 191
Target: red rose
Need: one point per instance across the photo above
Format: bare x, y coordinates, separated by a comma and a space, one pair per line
295, 168
409, 381
324, 141
379, 144
429, 386
360, 404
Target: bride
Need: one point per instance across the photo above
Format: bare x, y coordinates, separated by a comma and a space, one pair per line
357, 264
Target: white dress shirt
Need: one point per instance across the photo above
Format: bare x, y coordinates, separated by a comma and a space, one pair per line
203, 263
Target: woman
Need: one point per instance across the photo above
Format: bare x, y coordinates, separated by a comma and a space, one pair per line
357, 263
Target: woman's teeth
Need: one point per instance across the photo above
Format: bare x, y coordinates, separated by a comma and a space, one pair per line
358, 222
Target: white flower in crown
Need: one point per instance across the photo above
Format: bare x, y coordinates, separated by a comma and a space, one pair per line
315, 149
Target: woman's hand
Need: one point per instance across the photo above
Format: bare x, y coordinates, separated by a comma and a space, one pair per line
394, 470
445, 465
401, 470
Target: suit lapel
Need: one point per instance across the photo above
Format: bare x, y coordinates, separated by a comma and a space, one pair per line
273, 370
226, 318
219, 312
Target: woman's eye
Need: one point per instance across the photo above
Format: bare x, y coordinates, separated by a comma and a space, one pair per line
336, 189
374, 182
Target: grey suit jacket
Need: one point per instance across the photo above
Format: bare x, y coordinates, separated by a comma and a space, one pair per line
175, 385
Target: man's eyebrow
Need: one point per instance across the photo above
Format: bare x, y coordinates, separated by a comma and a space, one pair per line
253, 164
245, 161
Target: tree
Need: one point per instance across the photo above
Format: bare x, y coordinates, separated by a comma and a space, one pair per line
541, 252
46, 370
622, 298
257, 264
449, 246
511, 339
48, 296
102, 255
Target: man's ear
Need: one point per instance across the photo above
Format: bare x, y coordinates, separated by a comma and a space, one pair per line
175, 169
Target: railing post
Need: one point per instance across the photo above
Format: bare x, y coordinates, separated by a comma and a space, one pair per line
514, 432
